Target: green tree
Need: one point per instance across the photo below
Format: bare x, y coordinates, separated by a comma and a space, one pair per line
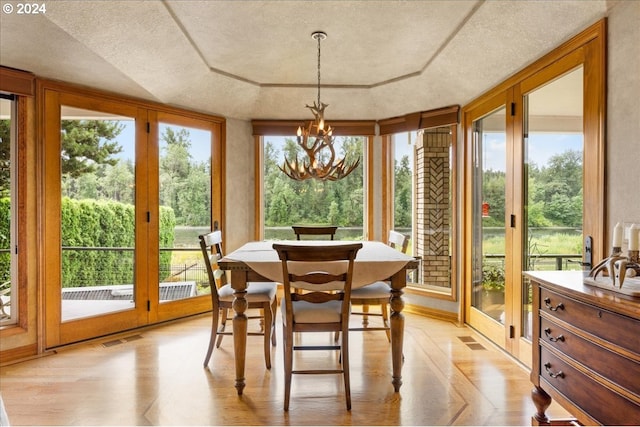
312, 202
86, 144
175, 167
493, 188
118, 182
402, 193
566, 168
556, 190
196, 196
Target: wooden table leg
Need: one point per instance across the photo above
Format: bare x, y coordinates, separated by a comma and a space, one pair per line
398, 281
239, 285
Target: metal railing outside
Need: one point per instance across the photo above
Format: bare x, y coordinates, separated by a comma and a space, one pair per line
193, 269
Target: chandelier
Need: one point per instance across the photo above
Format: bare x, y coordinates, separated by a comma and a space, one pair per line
316, 140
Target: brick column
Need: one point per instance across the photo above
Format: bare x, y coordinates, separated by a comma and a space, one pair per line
433, 212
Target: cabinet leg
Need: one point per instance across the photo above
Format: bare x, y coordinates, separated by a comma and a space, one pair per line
542, 401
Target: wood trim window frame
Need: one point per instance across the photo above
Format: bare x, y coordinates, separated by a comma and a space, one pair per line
261, 128
51, 94
21, 85
589, 49
440, 117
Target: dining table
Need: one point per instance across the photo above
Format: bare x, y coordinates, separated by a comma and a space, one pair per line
257, 261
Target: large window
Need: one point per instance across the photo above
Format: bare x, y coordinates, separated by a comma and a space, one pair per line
311, 202
420, 195
8, 257
17, 172
403, 180
283, 202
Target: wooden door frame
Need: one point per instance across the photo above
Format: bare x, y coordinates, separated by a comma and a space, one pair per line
50, 97
589, 49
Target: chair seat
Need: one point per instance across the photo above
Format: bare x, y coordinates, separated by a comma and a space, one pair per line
375, 290
307, 312
256, 291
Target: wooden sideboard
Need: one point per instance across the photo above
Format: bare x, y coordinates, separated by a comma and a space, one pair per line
586, 351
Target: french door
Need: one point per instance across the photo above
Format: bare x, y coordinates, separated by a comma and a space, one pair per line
126, 191
533, 173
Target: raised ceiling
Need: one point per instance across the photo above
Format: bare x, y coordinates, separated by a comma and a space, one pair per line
256, 59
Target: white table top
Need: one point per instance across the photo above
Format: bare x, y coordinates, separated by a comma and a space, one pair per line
375, 261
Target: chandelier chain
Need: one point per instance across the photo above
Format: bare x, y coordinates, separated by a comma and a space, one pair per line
318, 38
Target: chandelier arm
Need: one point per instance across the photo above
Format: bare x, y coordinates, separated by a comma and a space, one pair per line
315, 166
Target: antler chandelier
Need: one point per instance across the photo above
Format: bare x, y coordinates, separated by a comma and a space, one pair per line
316, 140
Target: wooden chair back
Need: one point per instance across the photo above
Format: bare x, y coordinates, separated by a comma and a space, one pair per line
398, 241
321, 270
260, 296
377, 293
315, 230
211, 246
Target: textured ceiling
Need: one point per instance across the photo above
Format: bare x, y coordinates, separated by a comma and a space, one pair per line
256, 59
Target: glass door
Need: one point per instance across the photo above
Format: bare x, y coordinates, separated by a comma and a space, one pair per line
186, 161
490, 225
126, 191
526, 205
552, 184
93, 196
489, 250
97, 211
553, 177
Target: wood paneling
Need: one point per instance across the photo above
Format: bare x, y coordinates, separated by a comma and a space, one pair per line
290, 127
445, 116
17, 82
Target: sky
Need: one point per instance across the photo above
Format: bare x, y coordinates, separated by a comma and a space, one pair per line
541, 146
200, 141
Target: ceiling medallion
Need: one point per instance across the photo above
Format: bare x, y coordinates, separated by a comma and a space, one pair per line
316, 140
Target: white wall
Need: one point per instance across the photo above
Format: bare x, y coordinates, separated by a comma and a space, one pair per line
623, 124
240, 187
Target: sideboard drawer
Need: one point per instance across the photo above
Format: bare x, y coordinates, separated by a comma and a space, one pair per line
605, 405
608, 326
615, 367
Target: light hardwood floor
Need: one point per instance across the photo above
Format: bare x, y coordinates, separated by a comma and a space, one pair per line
154, 376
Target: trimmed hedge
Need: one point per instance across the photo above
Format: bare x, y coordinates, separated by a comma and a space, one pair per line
95, 223
5, 238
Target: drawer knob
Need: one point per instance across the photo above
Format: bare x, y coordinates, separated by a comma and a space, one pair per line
559, 374
547, 332
547, 303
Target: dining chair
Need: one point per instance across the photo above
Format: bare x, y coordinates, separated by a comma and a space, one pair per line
377, 293
326, 273
260, 295
314, 230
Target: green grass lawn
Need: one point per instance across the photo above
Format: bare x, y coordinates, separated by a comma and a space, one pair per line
548, 244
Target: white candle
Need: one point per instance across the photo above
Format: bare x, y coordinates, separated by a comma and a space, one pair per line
617, 236
634, 238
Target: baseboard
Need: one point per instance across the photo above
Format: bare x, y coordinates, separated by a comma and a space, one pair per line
432, 312
18, 353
